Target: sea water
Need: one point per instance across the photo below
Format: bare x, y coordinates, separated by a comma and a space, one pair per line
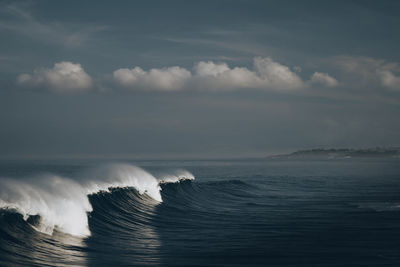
266, 212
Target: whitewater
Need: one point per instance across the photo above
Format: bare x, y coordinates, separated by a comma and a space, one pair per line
320, 212
63, 203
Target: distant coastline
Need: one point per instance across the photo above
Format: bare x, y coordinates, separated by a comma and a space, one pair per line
377, 152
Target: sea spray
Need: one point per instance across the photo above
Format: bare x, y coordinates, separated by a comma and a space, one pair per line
121, 175
176, 176
59, 202
63, 203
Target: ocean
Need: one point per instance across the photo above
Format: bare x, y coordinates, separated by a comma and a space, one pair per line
267, 212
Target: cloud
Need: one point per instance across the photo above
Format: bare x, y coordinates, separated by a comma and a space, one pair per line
20, 20
367, 72
266, 74
164, 79
208, 75
323, 79
275, 74
63, 77
217, 76
389, 80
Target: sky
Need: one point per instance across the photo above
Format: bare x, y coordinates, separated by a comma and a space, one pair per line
197, 79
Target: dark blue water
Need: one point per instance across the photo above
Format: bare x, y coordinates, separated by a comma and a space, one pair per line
235, 213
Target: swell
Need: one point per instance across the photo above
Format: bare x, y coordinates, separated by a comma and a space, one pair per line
50, 202
124, 217
124, 211
208, 197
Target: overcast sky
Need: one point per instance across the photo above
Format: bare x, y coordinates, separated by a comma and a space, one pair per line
197, 79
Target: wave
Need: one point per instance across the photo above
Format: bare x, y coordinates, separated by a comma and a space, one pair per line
62, 203
379, 206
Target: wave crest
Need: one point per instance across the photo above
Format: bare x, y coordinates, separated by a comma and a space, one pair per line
176, 176
60, 202
63, 203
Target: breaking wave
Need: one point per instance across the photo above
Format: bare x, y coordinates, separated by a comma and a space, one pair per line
61, 203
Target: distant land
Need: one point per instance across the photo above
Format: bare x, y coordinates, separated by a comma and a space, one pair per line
377, 152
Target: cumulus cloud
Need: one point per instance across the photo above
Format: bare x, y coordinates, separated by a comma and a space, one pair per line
210, 68
63, 77
216, 76
266, 74
275, 74
165, 79
389, 80
368, 72
323, 79
209, 75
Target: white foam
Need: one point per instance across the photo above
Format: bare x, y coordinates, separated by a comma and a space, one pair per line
121, 175
63, 203
60, 202
176, 176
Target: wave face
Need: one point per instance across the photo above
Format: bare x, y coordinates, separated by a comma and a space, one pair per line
63, 203
233, 214
58, 201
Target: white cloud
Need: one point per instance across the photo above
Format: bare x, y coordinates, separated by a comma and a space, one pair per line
389, 80
164, 79
275, 74
208, 75
210, 68
266, 74
217, 76
366, 72
63, 77
323, 79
